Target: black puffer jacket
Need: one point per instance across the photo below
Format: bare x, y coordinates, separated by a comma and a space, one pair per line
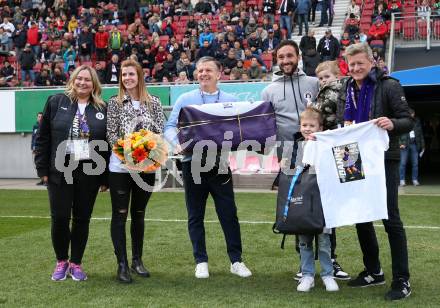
389, 101
55, 126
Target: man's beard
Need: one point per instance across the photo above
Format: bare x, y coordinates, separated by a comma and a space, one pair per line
294, 68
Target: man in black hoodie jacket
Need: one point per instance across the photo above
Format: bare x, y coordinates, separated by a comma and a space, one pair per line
388, 106
27, 63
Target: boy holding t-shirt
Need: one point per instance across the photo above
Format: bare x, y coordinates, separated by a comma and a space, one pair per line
311, 122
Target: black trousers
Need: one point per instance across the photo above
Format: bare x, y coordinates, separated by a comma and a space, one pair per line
221, 189
312, 10
72, 200
394, 228
122, 186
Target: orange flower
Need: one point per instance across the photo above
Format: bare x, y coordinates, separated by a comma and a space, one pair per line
151, 144
139, 155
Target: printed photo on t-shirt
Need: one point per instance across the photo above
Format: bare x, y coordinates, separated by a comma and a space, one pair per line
348, 162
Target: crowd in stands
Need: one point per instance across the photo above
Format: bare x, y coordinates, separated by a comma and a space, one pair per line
41, 42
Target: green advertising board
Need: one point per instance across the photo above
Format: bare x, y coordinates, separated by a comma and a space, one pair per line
29, 102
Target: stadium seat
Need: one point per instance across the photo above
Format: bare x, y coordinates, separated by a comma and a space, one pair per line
12, 59
422, 26
122, 27
436, 27
164, 39
88, 63
397, 26
268, 61
377, 44
37, 67
251, 164
409, 29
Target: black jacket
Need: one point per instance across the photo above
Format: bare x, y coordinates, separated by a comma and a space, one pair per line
333, 48
307, 43
109, 73
57, 120
405, 139
27, 60
269, 7
290, 7
19, 37
389, 101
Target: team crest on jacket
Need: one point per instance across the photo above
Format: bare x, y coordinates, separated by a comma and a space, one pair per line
308, 95
100, 116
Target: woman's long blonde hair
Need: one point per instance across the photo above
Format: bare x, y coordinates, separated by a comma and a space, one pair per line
144, 97
95, 96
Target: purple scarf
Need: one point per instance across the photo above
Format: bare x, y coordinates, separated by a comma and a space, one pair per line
357, 109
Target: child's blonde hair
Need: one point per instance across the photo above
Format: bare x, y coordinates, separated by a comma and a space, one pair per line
312, 113
332, 66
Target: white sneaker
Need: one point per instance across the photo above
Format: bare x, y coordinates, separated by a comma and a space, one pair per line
416, 183
402, 183
306, 284
240, 269
202, 270
330, 284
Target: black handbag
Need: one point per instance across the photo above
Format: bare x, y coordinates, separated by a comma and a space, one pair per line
299, 208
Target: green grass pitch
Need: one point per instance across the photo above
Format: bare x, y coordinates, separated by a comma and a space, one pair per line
27, 259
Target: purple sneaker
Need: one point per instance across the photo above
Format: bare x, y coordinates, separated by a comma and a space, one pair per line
76, 272
60, 271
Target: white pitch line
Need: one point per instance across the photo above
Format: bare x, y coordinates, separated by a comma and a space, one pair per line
246, 222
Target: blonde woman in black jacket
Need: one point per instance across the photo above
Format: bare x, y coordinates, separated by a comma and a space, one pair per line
131, 110
72, 131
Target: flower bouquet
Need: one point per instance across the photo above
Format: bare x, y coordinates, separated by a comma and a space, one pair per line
142, 151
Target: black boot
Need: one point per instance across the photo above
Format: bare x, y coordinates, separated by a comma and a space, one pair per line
138, 267
123, 274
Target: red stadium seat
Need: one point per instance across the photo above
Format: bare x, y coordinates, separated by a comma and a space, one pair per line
409, 29
164, 39
422, 26
377, 44
436, 27
88, 63
122, 27
37, 67
12, 59
268, 61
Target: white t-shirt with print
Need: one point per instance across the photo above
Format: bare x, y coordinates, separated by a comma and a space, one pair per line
350, 168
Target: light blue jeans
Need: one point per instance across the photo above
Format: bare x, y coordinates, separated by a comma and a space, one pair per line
411, 151
308, 255
286, 23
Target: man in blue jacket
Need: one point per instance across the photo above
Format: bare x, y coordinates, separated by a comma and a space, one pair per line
302, 11
198, 185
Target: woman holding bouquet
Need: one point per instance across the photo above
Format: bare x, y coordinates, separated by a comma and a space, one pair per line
131, 110
71, 122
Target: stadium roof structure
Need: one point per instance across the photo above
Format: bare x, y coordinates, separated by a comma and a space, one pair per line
421, 85
422, 76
